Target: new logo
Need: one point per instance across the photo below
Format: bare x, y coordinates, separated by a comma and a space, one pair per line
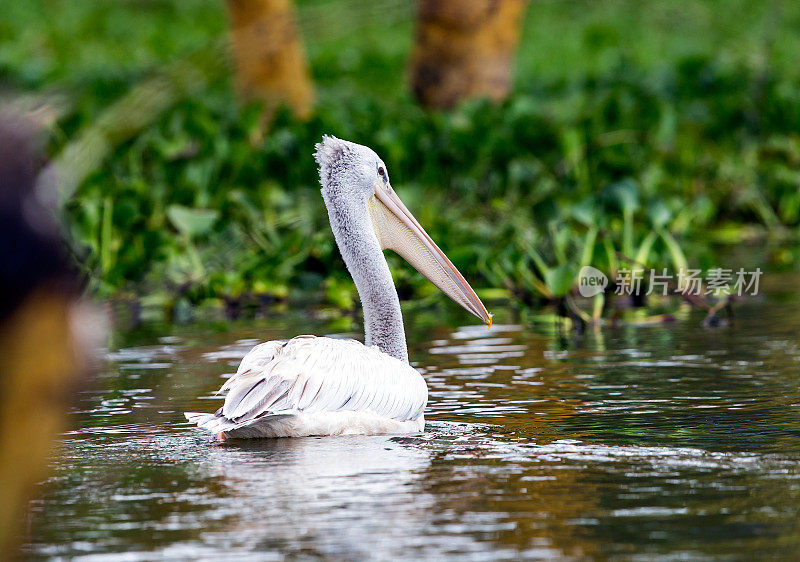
591, 281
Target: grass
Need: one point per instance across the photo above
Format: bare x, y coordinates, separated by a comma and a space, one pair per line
634, 128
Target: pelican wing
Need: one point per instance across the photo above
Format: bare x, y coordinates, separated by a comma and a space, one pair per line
308, 374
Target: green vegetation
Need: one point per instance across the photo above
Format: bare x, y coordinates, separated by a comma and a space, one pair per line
635, 128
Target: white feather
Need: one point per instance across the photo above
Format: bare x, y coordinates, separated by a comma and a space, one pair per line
318, 386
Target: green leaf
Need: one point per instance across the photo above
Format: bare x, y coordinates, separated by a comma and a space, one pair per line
585, 212
678, 257
106, 233
659, 213
588, 247
626, 194
559, 279
597, 306
192, 222
643, 255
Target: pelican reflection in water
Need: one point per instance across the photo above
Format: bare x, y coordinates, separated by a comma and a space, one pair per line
324, 386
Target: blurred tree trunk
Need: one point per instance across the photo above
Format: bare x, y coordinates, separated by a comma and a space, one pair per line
464, 48
39, 369
270, 62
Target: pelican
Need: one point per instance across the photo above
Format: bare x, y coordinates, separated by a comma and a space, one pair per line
324, 386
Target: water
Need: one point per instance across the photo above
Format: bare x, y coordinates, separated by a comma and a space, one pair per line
638, 443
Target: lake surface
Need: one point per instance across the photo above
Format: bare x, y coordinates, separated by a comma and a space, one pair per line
636, 443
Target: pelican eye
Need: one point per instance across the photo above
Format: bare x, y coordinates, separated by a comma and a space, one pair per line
382, 172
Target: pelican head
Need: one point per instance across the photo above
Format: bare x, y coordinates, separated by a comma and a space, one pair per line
359, 196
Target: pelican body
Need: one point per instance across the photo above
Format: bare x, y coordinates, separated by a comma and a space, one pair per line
324, 386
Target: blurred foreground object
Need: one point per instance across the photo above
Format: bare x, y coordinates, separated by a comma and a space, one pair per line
464, 48
44, 335
270, 62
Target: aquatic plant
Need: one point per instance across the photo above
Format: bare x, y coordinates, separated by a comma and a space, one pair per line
608, 159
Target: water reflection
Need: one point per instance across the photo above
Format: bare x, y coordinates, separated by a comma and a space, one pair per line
337, 497
665, 441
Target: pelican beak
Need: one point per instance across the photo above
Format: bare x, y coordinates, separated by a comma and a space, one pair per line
398, 230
